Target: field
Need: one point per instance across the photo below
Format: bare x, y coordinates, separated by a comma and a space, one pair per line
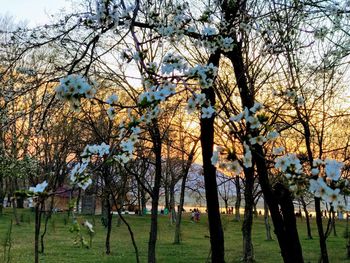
60, 245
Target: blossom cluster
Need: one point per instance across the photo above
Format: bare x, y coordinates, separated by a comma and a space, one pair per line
251, 118
78, 174
127, 146
157, 93
74, 87
200, 101
174, 23
205, 74
39, 188
291, 96
99, 150
172, 63
110, 13
231, 166
326, 185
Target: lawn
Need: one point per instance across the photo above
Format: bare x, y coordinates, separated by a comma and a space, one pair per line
60, 245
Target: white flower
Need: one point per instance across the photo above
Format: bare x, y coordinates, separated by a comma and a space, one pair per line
112, 99
246, 113
136, 130
208, 31
207, 112
315, 171
272, 135
256, 107
227, 44
281, 163
258, 140
85, 183
122, 158
288, 162
74, 87
77, 170
254, 122
300, 101
237, 118
111, 113
127, 146
191, 106
317, 162
200, 99
290, 93
234, 167
247, 158
332, 196
318, 187
161, 95
215, 158
39, 188
333, 169
89, 226
103, 149
278, 150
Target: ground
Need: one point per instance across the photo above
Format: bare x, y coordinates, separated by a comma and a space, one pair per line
60, 246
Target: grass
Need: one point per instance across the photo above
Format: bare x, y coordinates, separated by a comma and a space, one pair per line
60, 247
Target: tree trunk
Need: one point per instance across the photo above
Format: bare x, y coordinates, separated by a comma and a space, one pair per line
266, 220
322, 237
2, 192
109, 225
14, 206
78, 201
333, 223
167, 195
211, 191
48, 215
157, 148
186, 169
248, 254
307, 217
226, 205
279, 202
172, 210
177, 237
37, 230
238, 199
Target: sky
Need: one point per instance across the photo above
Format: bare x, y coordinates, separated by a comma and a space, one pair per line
35, 12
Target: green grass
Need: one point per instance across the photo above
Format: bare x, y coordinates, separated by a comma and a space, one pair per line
194, 248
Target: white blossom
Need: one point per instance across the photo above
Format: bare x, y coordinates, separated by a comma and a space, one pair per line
278, 150
237, 118
215, 158
89, 226
207, 112
112, 99
333, 169
39, 188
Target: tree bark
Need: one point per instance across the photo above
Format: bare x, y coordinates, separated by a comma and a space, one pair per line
279, 201
37, 230
238, 198
266, 220
209, 170
177, 237
109, 225
172, 203
157, 148
307, 217
248, 254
